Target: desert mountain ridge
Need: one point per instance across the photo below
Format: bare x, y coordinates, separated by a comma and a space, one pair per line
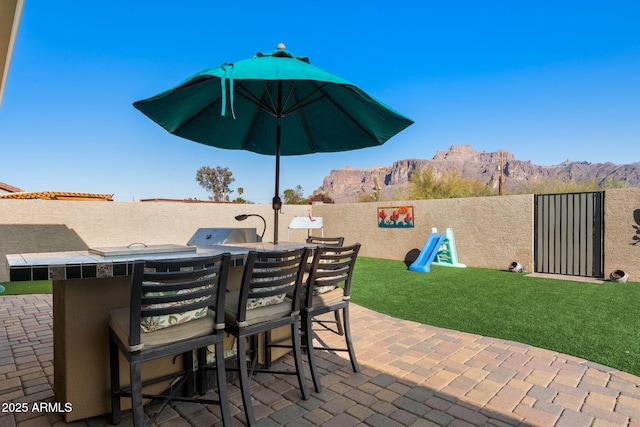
348, 185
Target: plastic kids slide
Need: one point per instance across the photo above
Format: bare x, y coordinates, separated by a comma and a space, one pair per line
422, 264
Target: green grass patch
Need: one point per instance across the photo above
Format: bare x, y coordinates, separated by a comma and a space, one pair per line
597, 322
21, 288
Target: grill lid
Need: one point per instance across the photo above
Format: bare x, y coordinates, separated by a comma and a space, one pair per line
205, 237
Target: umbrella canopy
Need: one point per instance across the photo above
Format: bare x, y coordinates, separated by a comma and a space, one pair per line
275, 103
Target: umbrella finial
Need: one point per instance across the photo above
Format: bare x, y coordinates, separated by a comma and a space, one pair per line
281, 46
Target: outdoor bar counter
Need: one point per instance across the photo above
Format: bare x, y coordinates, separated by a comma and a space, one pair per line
86, 286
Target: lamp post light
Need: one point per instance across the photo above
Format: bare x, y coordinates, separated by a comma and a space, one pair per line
242, 217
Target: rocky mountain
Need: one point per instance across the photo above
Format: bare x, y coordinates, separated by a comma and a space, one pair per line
349, 185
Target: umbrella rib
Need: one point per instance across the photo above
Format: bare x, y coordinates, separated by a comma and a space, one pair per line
278, 107
249, 96
198, 114
306, 130
286, 100
275, 108
306, 101
349, 116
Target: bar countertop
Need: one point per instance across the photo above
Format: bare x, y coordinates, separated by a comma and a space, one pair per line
117, 261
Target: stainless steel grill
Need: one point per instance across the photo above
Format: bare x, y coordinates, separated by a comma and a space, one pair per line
207, 237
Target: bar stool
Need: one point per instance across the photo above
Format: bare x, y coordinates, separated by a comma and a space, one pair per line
261, 305
328, 290
169, 315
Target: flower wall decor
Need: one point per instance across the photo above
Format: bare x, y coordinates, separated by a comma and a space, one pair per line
395, 217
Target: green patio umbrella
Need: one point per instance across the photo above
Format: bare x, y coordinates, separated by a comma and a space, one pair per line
277, 104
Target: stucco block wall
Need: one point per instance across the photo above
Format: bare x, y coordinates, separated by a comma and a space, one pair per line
489, 231
621, 231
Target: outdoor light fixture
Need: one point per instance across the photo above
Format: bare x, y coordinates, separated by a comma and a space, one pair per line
242, 217
276, 203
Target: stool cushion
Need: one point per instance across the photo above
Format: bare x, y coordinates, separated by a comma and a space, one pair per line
151, 323
255, 315
119, 323
328, 298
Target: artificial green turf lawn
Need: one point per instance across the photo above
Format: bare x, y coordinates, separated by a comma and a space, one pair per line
597, 322
20, 288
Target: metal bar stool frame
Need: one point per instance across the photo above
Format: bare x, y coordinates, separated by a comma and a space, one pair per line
166, 288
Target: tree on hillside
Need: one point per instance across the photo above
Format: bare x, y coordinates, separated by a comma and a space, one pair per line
295, 196
216, 181
321, 197
425, 184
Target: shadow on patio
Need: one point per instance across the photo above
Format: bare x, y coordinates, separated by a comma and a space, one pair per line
412, 375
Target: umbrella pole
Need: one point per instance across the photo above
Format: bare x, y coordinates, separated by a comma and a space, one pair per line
277, 202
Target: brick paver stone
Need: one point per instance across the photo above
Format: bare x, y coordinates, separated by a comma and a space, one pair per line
411, 374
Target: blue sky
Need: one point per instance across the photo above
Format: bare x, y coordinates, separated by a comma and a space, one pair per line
547, 81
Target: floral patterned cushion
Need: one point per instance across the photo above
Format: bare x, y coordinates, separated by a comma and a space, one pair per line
318, 290
264, 301
153, 323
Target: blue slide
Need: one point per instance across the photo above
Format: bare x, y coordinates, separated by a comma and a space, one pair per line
422, 264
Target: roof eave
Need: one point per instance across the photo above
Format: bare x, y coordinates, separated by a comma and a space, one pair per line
10, 15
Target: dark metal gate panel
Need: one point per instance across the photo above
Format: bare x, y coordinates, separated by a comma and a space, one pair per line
569, 234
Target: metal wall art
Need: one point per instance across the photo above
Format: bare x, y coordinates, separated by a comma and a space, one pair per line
395, 217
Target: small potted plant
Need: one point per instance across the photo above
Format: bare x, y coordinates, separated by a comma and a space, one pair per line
619, 276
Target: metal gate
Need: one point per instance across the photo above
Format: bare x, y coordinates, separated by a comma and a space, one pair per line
569, 234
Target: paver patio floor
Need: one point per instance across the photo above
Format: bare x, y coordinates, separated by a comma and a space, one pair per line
412, 375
